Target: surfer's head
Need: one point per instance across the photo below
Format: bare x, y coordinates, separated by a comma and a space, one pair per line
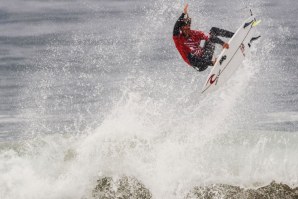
185, 28
186, 21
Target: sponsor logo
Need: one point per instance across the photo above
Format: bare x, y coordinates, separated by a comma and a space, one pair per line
222, 59
247, 24
211, 80
214, 78
242, 48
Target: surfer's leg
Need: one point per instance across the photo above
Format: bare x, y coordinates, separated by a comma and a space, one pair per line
220, 32
209, 48
198, 63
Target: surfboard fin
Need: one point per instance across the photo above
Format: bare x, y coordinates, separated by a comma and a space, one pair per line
253, 39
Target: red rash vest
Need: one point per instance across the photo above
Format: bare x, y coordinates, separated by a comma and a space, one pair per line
190, 45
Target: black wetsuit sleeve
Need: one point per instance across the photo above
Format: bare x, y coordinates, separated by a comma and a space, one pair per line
216, 40
178, 25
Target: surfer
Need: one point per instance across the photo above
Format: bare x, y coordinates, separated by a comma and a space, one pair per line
188, 41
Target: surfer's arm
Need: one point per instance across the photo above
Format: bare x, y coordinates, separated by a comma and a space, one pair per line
178, 25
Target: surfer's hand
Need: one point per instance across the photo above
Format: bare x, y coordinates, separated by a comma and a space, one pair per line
226, 45
185, 8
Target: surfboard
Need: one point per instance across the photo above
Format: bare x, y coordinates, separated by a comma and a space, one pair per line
230, 59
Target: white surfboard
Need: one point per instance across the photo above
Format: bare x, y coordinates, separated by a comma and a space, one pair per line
230, 59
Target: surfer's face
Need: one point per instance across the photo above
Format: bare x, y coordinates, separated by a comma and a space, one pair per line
186, 30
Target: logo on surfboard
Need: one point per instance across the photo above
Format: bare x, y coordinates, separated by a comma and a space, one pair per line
242, 48
211, 79
223, 58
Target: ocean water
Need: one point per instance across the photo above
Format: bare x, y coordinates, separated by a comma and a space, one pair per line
96, 88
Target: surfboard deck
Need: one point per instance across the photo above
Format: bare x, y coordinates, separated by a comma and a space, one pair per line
230, 59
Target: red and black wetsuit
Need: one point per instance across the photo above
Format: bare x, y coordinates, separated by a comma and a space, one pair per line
189, 48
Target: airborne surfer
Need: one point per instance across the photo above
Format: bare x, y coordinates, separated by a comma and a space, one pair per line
188, 41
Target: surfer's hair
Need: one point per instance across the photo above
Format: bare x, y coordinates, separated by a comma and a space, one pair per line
186, 21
